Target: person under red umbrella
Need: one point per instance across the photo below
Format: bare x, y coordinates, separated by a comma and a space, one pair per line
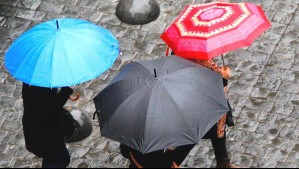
173, 157
205, 31
217, 134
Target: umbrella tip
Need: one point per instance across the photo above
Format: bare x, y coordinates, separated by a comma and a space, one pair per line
57, 25
156, 77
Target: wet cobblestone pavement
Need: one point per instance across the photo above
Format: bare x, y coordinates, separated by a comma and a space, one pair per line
263, 91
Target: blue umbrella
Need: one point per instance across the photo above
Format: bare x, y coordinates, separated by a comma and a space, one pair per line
62, 52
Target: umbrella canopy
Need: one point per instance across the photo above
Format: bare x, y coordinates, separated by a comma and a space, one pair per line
205, 31
61, 52
153, 105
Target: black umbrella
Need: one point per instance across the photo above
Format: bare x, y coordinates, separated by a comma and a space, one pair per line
168, 102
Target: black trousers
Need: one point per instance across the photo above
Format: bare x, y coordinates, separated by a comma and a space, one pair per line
219, 144
60, 159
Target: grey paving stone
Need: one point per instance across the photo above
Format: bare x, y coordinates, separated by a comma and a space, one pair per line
286, 165
278, 28
263, 90
263, 163
29, 4
279, 97
287, 121
243, 160
283, 109
236, 147
291, 87
250, 114
280, 143
25, 14
260, 104
289, 133
91, 15
251, 67
245, 124
269, 129
256, 150
6, 90
50, 7
7, 11
71, 11
6, 102
276, 154
260, 93
247, 80
282, 17
9, 2
11, 115
258, 139
199, 162
238, 135
92, 4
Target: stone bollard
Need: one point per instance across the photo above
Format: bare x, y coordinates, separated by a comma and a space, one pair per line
85, 129
137, 12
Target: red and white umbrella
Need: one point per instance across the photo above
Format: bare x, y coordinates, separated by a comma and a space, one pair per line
205, 31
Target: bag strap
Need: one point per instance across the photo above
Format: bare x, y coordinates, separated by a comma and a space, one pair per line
167, 51
95, 114
135, 161
174, 165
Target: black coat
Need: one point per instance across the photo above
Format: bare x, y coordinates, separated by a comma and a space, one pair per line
158, 159
42, 119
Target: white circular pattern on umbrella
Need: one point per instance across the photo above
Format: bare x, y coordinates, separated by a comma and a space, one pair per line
220, 17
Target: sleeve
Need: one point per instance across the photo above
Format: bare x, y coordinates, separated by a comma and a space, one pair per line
63, 96
55, 105
180, 153
125, 152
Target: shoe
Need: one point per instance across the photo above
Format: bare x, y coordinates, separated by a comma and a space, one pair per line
225, 163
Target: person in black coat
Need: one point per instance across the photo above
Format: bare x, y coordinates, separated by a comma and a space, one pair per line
217, 133
169, 158
43, 124
218, 140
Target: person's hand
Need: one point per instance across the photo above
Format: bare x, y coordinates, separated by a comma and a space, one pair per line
226, 72
67, 91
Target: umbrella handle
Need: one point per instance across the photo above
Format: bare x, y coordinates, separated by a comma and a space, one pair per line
223, 62
75, 98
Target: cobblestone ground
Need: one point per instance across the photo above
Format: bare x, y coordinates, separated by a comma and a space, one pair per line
264, 90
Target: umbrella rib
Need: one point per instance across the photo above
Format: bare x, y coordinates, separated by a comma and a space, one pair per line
37, 60
123, 102
134, 78
84, 61
146, 70
205, 88
51, 79
146, 117
91, 73
136, 90
176, 107
193, 67
151, 73
66, 55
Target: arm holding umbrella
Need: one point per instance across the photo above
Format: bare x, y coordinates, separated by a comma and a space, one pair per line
63, 96
54, 106
75, 98
226, 74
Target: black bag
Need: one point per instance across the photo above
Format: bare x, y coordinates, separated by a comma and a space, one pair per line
229, 116
69, 124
